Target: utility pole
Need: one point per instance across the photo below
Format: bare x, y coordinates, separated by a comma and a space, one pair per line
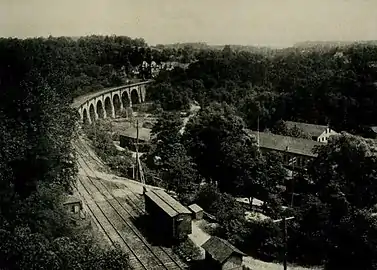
293, 181
137, 149
258, 131
139, 169
285, 243
284, 219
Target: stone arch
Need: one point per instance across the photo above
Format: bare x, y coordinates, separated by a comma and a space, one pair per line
134, 96
85, 118
100, 110
92, 113
108, 107
125, 99
117, 104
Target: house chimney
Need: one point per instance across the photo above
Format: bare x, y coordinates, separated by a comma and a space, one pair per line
287, 148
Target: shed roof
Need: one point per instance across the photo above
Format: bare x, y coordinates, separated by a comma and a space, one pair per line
280, 143
144, 133
195, 208
71, 199
167, 203
220, 249
310, 129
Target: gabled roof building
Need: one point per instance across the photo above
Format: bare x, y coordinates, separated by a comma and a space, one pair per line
296, 151
319, 133
220, 254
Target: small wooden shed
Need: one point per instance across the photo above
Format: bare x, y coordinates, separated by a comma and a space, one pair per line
74, 206
220, 254
197, 211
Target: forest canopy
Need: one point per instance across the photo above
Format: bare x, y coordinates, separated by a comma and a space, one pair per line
335, 86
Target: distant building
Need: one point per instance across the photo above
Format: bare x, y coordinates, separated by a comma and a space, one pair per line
220, 254
297, 152
318, 133
171, 65
197, 211
128, 139
169, 219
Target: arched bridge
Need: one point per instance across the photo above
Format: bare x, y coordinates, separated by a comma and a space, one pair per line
109, 102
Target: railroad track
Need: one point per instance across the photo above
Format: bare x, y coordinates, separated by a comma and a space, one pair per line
116, 227
138, 205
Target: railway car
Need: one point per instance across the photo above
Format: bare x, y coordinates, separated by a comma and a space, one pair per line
169, 219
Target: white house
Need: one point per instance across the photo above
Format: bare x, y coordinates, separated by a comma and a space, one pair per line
319, 133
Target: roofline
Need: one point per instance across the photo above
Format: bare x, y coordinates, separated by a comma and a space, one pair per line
225, 242
249, 133
289, 151
179, 212
152, 191
309, 124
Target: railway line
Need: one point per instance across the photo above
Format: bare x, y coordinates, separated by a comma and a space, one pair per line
136, 206
115, 217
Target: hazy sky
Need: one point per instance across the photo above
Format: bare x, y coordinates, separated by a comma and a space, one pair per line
263, 22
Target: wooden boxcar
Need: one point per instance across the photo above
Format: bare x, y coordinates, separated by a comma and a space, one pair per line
169, 218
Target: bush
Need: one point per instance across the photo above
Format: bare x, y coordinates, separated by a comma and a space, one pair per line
188, 249
264, 240
103, 144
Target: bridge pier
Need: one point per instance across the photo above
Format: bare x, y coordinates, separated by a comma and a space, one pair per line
110, 102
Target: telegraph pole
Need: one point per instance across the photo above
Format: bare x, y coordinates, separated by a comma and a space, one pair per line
137, 150
293, 182
284, 219
139, 169
285, 243
258, 131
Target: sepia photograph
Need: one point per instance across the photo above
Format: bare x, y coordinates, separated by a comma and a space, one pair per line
197, 134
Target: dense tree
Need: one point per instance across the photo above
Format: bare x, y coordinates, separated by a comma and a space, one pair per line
346, 166
168, 157
334, 85
225, 154
167, 129
86, 64
100, 135
35, 251
226, 210
37, 160
177, 168
205, 134
169, 96
335, 218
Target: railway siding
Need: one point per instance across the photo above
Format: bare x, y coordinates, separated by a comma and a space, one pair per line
114, 209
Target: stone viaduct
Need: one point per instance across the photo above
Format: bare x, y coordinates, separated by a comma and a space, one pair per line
109, 102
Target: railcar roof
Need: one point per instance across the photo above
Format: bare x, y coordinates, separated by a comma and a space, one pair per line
167, 203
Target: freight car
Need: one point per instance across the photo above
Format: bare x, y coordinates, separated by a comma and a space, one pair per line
168, 219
